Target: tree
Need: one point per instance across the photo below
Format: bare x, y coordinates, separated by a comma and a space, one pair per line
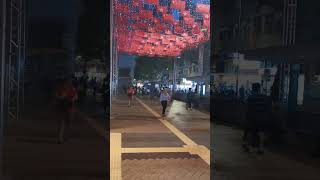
151, 69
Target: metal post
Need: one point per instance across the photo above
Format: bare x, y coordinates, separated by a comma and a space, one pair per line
289, 30
19, 58
174, 78
239, 44
114, 55
200, 61
111, 50
237, 73
2, 81
23, 44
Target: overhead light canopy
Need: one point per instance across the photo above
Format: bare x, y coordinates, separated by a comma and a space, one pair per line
162, 28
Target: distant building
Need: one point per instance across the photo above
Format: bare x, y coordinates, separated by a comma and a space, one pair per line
275, 39
261, 26
195, 66
51, 37
125, 78
94, 68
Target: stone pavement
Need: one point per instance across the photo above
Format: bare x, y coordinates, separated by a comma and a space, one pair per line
231, 163
32, 151
145, 146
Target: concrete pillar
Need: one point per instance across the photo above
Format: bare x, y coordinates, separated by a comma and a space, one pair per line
174, 75
200, 60
293, 90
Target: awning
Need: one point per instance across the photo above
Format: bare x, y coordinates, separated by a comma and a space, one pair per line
300, 53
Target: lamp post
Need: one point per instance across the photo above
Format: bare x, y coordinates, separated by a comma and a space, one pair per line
238, 54
174, 74
2, 80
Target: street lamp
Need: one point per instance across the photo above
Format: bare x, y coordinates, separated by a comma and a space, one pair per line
239, 43
174, 73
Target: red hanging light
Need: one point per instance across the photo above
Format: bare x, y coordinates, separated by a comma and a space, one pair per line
146, 14
196, 29
203, 8
206, 23
162, 9
189, 21
168, 18
206, 16
136, 3
185, 14
151, 2
178, 4
151, 36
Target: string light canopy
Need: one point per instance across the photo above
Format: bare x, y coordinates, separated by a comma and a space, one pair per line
162, 28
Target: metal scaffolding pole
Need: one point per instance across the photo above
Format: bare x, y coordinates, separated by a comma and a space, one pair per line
12, 56
114, 56
174, 75
288, 38
3, 17
23, 54
238, 48
111, 49
16, 50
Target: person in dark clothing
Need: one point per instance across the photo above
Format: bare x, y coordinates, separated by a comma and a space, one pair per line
75, 82
124, 88
189, 99
131, 92
164, 99
242, 94
153, 95
106, 97
94, 86
258, 117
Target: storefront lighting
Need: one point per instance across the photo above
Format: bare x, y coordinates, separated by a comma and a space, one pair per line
203, 89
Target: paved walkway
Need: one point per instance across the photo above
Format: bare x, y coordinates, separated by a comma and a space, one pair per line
145, 146
231, 163
32, 151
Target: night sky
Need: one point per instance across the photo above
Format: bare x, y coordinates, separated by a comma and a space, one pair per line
48, 20
126, 61
53, 8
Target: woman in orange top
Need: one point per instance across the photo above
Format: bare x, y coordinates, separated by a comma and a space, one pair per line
66, 96
130, 92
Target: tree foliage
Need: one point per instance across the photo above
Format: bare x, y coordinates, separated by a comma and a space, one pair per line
151, 69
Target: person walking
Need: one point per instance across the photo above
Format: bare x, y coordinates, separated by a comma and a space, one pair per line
164, 99
105, 91
106, 97
153, 95
66, 95
242, 94
258, 117
94, 86
130, 92
189, 99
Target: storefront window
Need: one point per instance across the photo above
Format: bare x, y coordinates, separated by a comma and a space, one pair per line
311, 100
300, 89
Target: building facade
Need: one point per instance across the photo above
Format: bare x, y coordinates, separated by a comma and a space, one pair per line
277, 41
193, 68
260, 27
